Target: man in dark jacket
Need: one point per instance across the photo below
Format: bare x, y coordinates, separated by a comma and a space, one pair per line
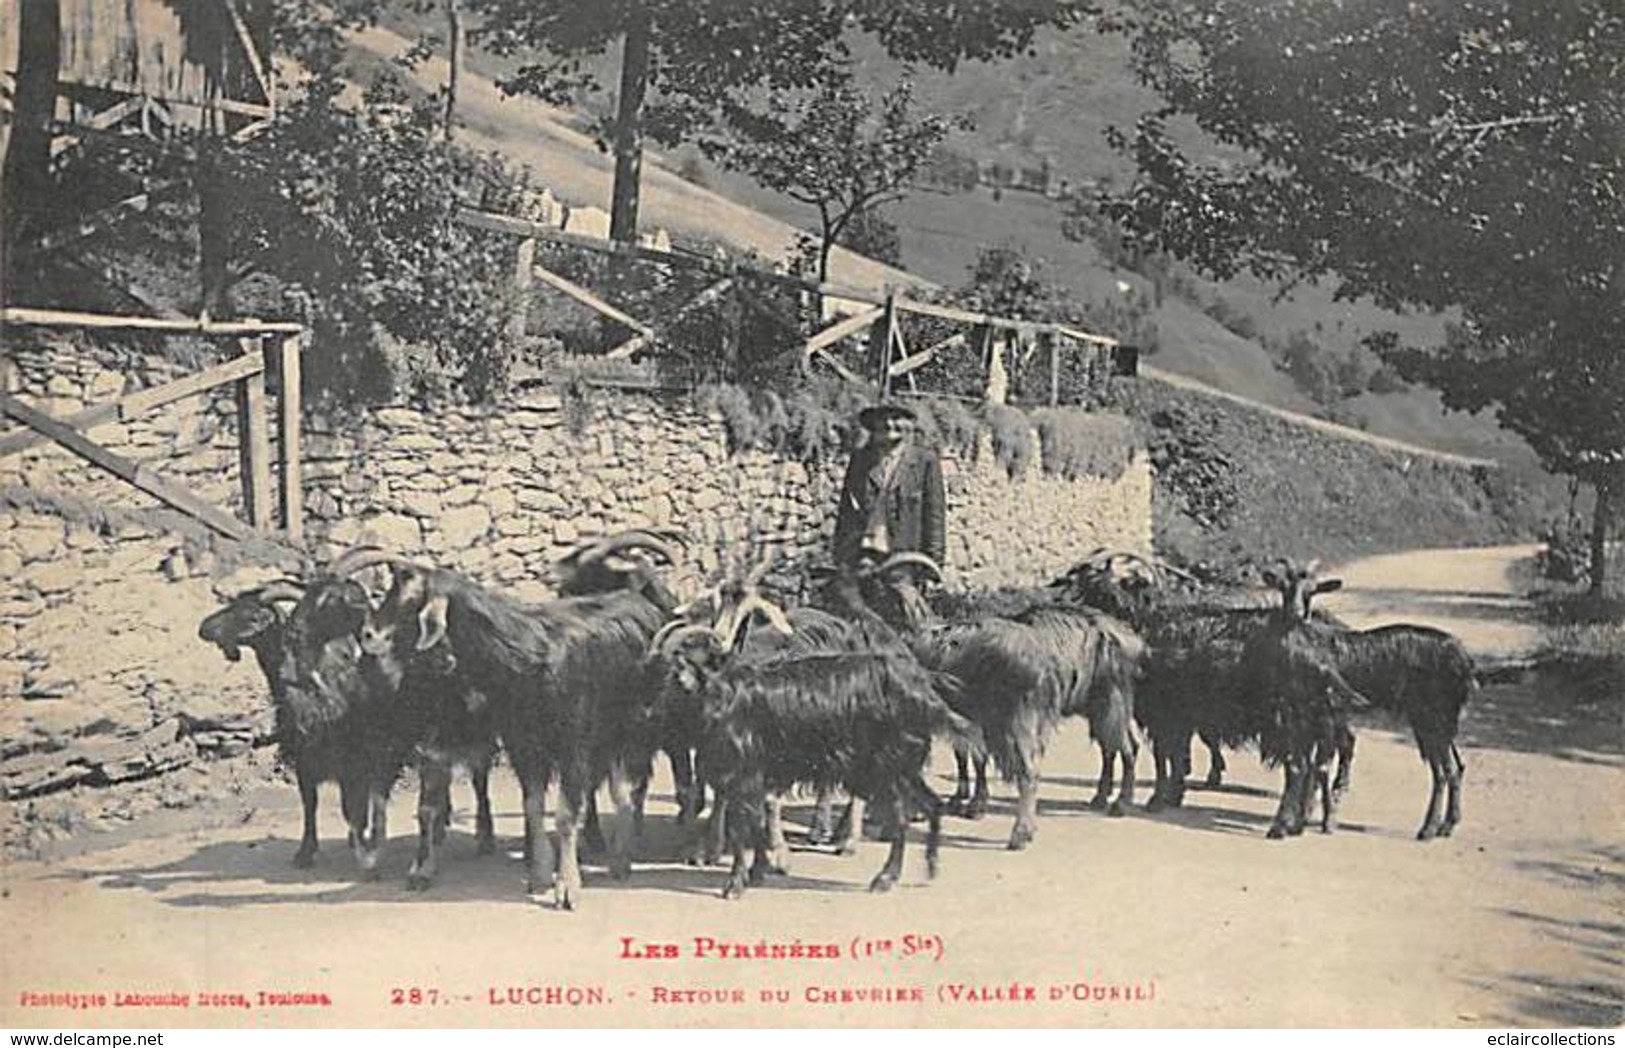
892, 500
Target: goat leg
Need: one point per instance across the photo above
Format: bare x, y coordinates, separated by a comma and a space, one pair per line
355, 797
538, 850
485, 836
569, 819
896, 808
305, 857
823, 827
434, 802
1126, 749
850, 829
778, 849
1215, 762
1026, 827
1291, 806
624, 796
593, 829
1455, 768
978, 801
1103, 788
1436, 799
961, 794
1345, 761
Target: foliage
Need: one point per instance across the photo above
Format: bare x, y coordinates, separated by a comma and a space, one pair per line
832, 147
872, 234
1565, 555
1078, 444
1012, 438
1459, 156
351, 209
811, 423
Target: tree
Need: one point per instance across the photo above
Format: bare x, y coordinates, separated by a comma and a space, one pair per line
833, 148
25, 169
681, 59
1462, 156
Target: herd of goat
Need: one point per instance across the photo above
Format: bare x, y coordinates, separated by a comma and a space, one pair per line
847, 691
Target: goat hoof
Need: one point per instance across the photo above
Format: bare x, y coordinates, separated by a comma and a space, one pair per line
734, 889
1098, 803
417, 882
486, 846
956, 805
1426, 833
977, 809
779, 861
1116, 810
564, 898
1156, 803
1019, 840
304, 860
882, 883
1214, 780
1446, 829
1276, 833
621, 871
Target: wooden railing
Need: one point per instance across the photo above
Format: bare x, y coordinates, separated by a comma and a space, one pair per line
267, 347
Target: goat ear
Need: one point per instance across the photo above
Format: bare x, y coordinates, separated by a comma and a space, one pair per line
1271, 578
1327, 586
432, 622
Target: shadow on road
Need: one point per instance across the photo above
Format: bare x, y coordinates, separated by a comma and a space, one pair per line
1544, 713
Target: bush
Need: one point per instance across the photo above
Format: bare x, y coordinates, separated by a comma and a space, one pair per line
1566, 556
1012, 438
1079, 444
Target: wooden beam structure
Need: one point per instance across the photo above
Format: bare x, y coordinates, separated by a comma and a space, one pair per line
127, 470
587, 298
289, 474
188, 326
137, 404
841, 329
254, 440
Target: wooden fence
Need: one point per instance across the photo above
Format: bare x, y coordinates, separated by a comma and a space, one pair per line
267, 347
897, 360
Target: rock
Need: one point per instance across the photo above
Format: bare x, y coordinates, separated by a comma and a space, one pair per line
20, 605
420, 503
393, 532
398, 418
38, 541
564, 531
34, 773
501, 502
463, 495
464, 526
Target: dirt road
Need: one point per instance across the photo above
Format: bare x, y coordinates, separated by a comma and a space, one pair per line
1184, 919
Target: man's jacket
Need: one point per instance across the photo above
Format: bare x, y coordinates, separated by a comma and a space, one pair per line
913, 502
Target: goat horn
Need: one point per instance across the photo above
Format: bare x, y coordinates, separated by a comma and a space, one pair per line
903, 560
282, 589
673, 634
662, 542
354, 561
1176, 571
741, 614
754, 576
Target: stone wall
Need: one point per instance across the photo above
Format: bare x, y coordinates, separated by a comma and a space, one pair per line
103, 679
500, 493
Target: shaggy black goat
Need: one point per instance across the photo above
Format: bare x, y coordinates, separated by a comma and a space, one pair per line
565, 682
1196, 632
775, 720
1419, 673
330, 727
1018, 676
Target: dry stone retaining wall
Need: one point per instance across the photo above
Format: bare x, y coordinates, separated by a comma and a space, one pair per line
103, 679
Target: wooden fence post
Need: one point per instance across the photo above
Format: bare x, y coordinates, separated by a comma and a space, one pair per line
888, 327
1054, 371
286, 365
524, 260
254, 442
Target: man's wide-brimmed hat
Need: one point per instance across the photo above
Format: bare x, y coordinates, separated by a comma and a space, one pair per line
875, 415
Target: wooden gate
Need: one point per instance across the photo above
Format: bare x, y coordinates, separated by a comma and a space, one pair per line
266, 348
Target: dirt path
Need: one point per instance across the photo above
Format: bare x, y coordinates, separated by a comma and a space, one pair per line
1188, 919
